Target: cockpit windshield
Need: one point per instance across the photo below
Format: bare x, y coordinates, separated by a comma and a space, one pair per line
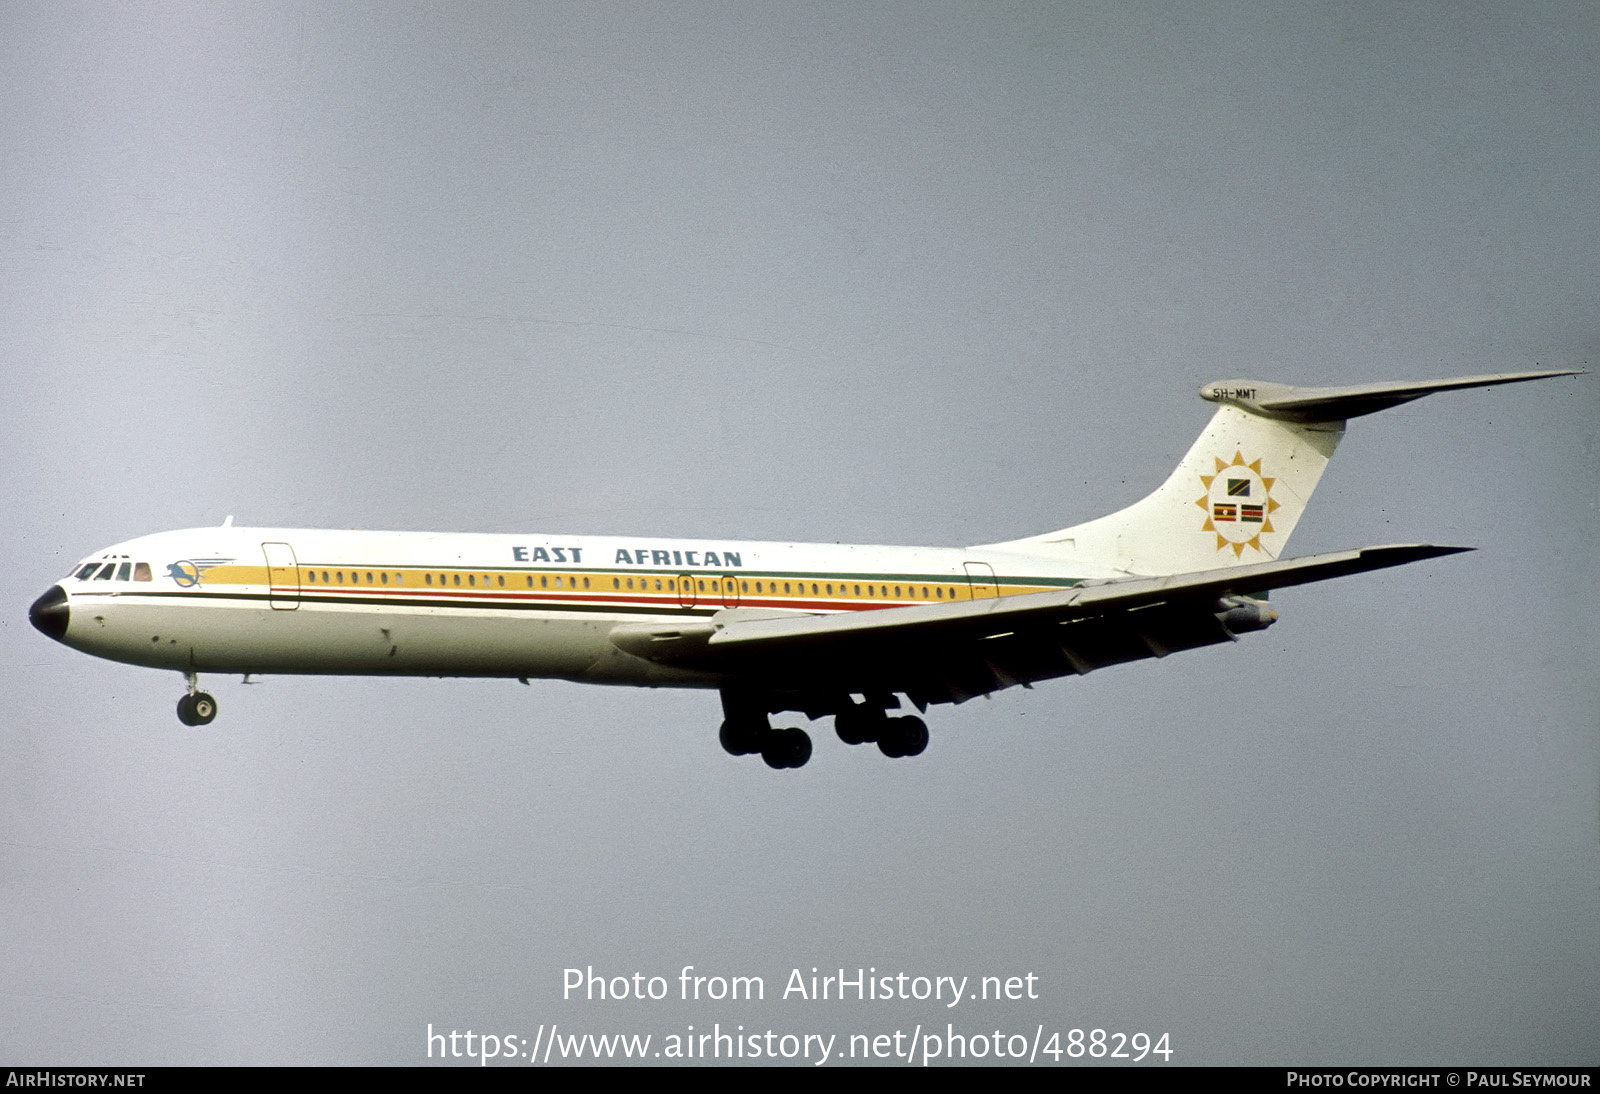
99, 570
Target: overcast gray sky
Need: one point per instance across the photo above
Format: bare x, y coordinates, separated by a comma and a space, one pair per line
917, 273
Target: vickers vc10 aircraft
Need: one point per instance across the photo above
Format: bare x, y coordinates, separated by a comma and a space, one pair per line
819, 629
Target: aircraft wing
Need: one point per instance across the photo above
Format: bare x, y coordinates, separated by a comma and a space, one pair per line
978, 617
952, 652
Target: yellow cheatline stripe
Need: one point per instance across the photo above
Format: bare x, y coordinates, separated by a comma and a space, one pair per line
417, 579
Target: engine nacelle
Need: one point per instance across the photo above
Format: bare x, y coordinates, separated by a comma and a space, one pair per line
1241, 614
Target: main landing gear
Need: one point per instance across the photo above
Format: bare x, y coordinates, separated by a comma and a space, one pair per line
746, 731
780, 748
895, 737
196, 708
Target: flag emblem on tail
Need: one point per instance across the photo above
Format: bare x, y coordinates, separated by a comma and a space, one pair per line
1236, 522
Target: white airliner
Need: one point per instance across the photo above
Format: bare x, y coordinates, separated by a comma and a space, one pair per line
821, 629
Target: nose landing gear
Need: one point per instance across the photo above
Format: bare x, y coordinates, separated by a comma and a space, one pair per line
196, 708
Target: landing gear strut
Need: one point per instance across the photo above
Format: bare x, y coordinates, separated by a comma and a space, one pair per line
196, 708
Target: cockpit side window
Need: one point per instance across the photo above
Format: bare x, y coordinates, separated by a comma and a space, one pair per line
83, 574
106, 572
124, 571
141, 571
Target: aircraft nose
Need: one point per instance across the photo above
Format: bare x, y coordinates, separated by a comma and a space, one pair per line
50, 613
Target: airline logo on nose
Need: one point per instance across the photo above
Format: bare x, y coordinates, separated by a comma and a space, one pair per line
1238, 504
187, 573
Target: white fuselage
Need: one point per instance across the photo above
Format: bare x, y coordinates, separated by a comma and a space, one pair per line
273, 600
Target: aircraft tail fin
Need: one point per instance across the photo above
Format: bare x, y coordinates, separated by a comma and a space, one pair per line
1237, 495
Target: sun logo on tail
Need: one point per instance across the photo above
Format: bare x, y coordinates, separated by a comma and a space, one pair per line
1238, 504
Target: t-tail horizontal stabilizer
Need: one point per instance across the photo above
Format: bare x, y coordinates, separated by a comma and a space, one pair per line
1337, 404
1237, 495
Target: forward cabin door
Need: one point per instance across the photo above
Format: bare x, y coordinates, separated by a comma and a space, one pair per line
283, 576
